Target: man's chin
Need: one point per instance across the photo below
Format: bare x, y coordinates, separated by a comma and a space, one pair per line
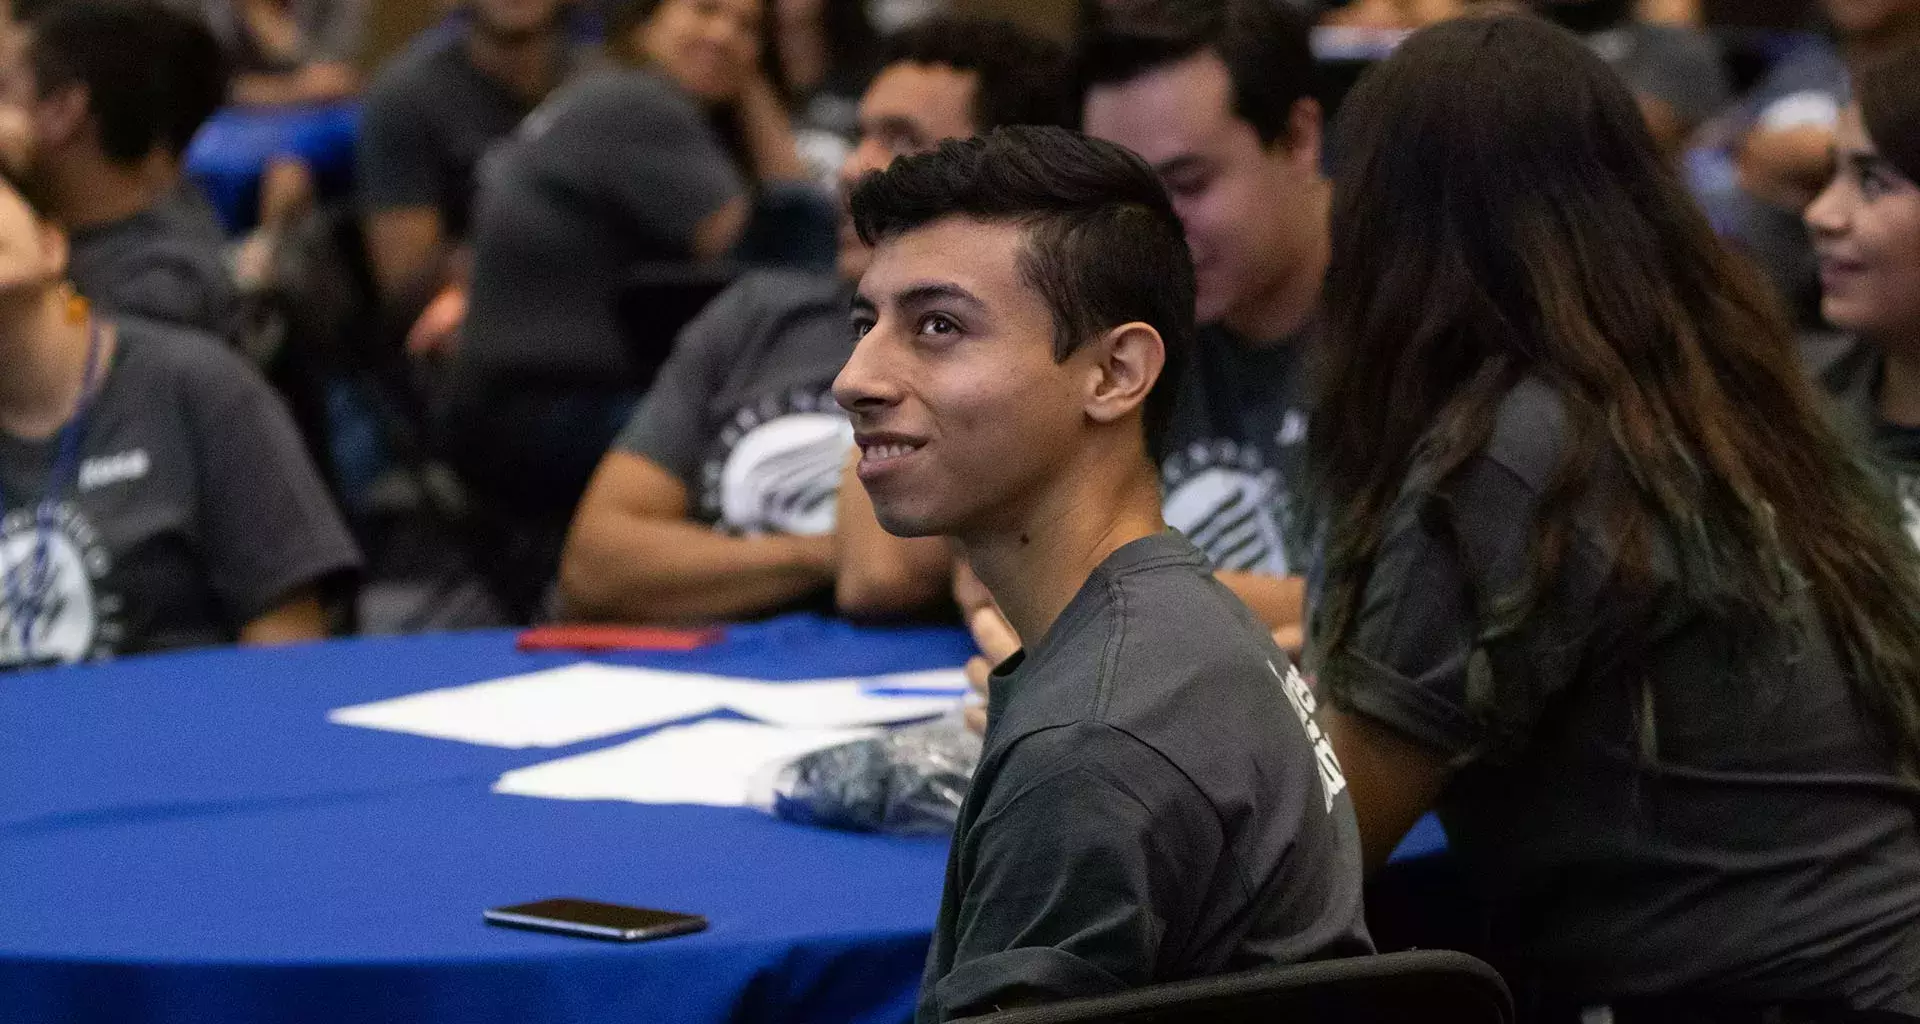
906, 525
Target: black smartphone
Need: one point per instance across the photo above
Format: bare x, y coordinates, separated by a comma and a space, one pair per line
592, 920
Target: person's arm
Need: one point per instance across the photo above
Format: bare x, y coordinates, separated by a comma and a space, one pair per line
876, 573
1278, 601
401, 185
298, 619
632, 556
407, 247
270, 535
1054, 908
1393, 780
769, 133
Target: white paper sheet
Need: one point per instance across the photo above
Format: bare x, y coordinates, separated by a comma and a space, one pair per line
588, 701
714, 763
543, 709
829, 705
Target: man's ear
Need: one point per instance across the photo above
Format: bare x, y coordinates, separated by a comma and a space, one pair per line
1306, 129
1127, 361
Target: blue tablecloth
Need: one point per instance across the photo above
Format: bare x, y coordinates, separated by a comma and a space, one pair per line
185, 838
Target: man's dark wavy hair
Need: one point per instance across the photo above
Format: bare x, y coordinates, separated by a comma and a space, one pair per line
153, 75
1019, 78
1103, 245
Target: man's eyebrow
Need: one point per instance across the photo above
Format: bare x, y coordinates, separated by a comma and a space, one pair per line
1861, 160
860, 304
935, 291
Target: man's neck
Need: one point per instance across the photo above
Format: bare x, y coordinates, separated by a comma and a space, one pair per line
1900, 387
45, 355
1279, 311
527, 65
1035, 565
89, 190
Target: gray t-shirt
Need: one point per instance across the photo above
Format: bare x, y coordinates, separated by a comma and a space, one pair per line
166, 264
1681, 67
195, 508
743, 412
1233, 464
616, 170
429, 116
1710, 818
1155, 802
1852, 372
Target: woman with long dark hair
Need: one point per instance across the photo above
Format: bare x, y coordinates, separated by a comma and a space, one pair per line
1601, 584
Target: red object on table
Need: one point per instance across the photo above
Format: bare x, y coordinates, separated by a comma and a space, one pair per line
615, 638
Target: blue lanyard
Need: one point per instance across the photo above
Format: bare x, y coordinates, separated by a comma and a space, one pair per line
23, 608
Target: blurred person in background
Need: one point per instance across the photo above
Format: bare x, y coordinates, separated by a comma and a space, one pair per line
288, 52
717, 500
1866, 229
154, 493
107, 95
430, 114
654, 161
1677, 73
1220, 98
1783, 154
824, 53
1603, 586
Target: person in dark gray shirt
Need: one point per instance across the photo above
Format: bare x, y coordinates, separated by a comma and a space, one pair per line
154, 493
165, 264
1221, 97
1604, 587
430, 115
1155, 800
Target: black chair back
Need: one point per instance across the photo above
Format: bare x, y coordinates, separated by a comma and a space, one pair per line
1417, 987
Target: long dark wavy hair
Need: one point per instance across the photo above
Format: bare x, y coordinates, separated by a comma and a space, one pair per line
1501, 213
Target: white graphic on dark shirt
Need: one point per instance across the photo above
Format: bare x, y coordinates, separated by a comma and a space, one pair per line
72, 620
1230, 504
1332, 780
778, 467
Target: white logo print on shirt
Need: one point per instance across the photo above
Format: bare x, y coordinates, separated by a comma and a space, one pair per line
779, 467
1300, 695
73, 619
105, 470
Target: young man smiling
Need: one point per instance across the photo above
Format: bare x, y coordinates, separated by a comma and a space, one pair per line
1154, 800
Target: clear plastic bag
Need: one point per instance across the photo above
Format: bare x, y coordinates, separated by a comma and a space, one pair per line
908, 781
